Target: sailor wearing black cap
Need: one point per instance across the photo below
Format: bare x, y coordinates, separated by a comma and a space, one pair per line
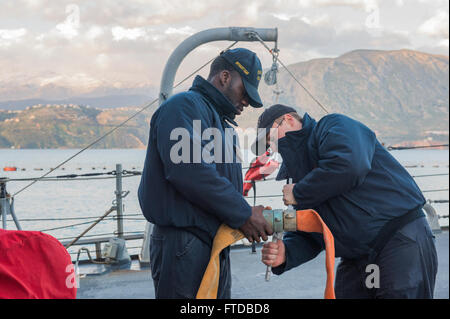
368, 200
188, 200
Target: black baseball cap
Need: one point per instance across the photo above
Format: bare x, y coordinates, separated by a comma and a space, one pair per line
265, 122
247, 64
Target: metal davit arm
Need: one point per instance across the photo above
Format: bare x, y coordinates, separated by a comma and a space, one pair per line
217, 34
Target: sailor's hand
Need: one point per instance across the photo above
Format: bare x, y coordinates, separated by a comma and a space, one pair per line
274, 254
288, 195
256, 226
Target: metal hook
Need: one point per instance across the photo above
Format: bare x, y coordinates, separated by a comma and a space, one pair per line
271, 76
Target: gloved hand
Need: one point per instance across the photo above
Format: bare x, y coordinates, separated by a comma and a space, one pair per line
274, 254
256, 226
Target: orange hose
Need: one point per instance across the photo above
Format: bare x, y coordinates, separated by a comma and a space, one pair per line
307, 221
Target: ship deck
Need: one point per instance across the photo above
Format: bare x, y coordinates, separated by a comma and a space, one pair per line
304, 282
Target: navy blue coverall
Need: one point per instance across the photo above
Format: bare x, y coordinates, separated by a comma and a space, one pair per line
341, 170
186, 194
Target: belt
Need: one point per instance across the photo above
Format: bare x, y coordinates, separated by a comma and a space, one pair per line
391, 227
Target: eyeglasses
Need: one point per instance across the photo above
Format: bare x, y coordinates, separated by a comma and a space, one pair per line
268, 135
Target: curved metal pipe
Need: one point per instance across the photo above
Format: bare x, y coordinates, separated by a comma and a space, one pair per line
217, 34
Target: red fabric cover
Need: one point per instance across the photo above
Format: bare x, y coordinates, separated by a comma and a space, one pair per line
34, 265
259, 169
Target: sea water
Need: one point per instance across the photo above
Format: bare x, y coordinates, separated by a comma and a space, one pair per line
47, 204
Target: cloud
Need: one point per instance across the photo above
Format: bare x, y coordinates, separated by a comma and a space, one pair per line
187, 30
94, 32
324, 40
283, 16
444, 43
365, 4
436, 26
10, 36
103, 61
77, 79
127, 42
354, 4
120, 33
144, 13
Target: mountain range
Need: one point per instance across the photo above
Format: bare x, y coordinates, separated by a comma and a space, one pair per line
402, 95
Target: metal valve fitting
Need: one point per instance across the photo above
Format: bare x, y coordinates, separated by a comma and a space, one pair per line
281, 220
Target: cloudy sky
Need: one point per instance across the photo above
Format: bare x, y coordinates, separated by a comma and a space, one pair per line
47, 45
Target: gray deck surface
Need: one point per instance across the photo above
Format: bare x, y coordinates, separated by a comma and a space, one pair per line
306, 281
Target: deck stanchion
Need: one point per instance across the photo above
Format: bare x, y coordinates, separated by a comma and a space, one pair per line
7, 205
119, 204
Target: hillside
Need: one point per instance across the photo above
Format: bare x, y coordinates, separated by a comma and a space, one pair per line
402, 95
103, 102
71, 126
